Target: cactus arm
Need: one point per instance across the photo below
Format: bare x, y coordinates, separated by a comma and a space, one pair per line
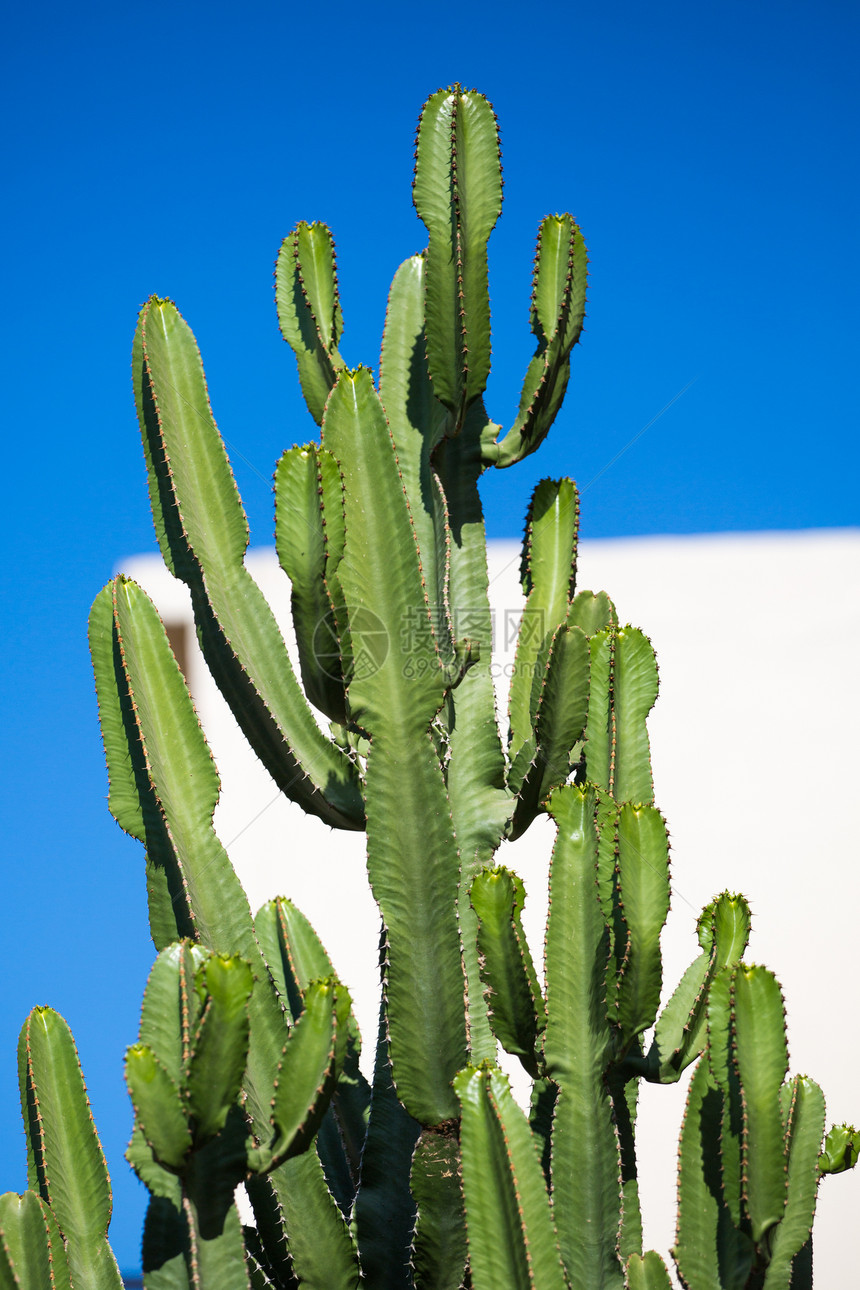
66, 1165
309, 543
512, 1240
710, 1252
439, 1249
293, 951
202, 532
211, 1169
301, 1224
747, 1056
128, 797
635, 690
296, 957
587, 1198
643, 877
32, 1254
195, 502
679, 1035
623, 691
219, 1053
457, 192
680, 1031
804, 1132
517, 1011
646, 1272
309, 310
179, 784
200, 1226
182, 786
840, 1149
216, 1248
308, 1072
560, 717
171, 1006
170, 1010
557, 313
158, 1108
417, 421
761, 1056
131, 799
548, 574
384, 1212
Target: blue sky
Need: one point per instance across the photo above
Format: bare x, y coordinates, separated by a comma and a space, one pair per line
709, 154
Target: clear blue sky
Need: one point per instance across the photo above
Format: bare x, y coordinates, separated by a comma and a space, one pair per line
709, 153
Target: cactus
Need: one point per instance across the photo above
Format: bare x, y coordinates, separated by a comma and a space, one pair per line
246, 1068
55, 1234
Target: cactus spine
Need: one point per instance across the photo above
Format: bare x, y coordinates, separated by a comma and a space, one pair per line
246, 1067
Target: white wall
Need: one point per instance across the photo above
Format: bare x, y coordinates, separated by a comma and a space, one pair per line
756, 767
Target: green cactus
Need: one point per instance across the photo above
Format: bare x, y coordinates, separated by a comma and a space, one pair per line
192, 1144
55, 1234
246, 1068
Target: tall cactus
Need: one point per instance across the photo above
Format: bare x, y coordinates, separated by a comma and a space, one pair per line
246, 1067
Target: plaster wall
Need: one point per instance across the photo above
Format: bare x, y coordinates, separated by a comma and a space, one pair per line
756, 753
